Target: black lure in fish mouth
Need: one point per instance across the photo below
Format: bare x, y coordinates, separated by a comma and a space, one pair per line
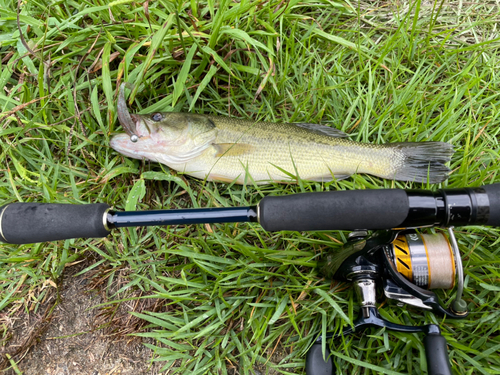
128, 121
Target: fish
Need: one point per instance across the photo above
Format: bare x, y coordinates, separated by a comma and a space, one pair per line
233, 150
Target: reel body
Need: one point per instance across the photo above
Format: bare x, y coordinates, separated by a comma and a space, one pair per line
407, 265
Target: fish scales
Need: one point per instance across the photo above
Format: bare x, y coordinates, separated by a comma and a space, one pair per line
296, 150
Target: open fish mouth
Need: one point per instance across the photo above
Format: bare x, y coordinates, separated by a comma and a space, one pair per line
128, 121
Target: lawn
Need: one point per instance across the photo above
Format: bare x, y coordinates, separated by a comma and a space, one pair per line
228, 298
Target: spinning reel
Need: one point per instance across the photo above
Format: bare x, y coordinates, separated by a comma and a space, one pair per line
407, 265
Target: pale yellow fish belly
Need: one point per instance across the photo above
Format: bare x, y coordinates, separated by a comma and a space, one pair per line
265, 162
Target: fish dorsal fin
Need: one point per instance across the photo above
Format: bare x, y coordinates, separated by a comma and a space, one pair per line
232, 149
321, 129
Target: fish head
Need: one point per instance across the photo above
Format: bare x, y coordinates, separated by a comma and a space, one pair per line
166, 137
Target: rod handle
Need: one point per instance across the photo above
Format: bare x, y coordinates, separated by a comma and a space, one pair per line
335, 210
436, 353
493, 192
22, 223
315, 363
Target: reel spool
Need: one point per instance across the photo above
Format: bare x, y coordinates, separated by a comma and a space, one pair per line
426, 260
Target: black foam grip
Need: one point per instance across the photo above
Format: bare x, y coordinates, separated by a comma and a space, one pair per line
335, 210
315, 364
436, 353
493, 192
22, 223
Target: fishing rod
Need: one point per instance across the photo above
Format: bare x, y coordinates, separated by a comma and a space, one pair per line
23, 223
405, 262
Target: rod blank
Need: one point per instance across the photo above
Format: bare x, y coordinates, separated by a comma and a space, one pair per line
181, 217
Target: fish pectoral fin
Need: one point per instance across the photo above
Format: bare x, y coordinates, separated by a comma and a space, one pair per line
328, 177
232, 149
322, 129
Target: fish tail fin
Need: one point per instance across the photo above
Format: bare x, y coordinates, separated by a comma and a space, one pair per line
423, 161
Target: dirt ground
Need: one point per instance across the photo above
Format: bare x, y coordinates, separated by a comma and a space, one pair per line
74, 337
68, 341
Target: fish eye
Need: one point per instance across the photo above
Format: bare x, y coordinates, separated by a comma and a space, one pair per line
156, 117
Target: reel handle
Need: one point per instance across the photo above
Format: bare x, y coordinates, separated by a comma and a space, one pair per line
23, 223
436, 353
316, 364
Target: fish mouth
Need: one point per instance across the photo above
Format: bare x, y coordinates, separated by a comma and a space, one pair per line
136, 119
129, 122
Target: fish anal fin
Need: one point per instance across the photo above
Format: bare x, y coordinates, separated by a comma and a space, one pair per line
232, 149
328, 177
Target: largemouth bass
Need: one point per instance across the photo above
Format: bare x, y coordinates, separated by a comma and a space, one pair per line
228, 149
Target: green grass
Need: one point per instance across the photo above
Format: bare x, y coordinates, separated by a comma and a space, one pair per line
233, 294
